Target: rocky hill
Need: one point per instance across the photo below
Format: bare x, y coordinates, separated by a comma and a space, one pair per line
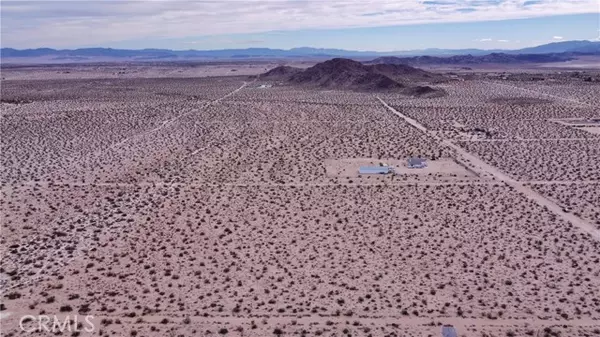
407, 74
345, 74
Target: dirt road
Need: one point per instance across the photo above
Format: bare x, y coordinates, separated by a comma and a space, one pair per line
484, 169
175, 319
39, 184
175, 119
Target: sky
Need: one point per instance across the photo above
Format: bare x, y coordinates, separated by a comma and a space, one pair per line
376, 25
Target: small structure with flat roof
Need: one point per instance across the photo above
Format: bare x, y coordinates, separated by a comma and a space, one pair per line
375, 170
448, 331
416, 163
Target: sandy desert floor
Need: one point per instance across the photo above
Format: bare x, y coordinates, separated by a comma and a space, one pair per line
208, 206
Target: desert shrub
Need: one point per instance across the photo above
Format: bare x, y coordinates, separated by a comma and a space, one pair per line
66, 308
13, 295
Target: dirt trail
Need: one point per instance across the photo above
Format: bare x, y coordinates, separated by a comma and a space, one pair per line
561, 182
485, 169
525, 139
299, 184
163, 125
175, 119
460, 322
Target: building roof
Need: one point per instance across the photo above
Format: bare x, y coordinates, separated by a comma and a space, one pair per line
416, 161
448, 331
374, 169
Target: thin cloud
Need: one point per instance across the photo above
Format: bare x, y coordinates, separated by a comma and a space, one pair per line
484, 40
503, 41
47, 23
373, 14
532, 2
224, 41
557, 37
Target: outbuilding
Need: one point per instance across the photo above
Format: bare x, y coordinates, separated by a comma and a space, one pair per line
448, 331
375, 170
416, 163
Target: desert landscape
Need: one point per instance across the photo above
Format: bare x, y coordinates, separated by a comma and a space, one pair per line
228, 199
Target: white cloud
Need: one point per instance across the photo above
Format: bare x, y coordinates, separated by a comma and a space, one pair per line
557, 37
484, 40
503, 41
71, 23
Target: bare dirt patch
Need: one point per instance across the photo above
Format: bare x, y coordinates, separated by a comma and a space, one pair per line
443, 167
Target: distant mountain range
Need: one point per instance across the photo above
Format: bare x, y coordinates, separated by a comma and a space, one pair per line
497, 58
92, 54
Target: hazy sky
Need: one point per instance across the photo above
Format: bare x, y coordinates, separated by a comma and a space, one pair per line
352, 24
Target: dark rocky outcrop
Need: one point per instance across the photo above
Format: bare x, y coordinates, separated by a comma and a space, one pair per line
339, 73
